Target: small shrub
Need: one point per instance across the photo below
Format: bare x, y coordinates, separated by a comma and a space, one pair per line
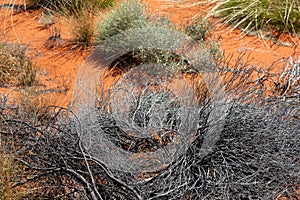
282, 16
214, 50
16, 69
129, 14
34, 104
198, 29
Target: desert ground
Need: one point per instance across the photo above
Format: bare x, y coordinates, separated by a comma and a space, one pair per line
58, 64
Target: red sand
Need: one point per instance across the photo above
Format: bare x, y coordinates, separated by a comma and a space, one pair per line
57, 67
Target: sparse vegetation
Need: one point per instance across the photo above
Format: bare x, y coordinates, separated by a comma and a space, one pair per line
83, 29
80, 14
35, 104
69, 7
15, 67
108, 150
252, 15
198, 29
10, 169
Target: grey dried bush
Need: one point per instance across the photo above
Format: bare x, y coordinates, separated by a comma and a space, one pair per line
256, 156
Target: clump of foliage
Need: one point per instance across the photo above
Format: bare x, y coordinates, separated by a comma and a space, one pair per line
198, 29
129, 14
156, 56
15, 67
281, 16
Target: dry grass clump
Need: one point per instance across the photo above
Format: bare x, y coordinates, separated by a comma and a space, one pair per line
69, 7
6, 174
249, 15
16, 69
35, 104
9, 170
80, 13
83, 29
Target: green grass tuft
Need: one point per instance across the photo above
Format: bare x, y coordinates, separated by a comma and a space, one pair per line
250, 15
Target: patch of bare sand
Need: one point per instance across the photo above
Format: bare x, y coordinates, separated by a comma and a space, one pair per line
56, 62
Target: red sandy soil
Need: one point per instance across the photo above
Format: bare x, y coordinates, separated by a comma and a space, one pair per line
57, 66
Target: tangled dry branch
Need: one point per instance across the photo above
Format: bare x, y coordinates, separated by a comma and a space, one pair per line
255, 157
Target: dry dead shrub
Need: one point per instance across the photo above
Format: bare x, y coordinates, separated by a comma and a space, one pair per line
256, 156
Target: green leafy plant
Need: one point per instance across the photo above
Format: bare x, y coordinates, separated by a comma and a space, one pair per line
162, 57
281, 16
15, 67
128, 15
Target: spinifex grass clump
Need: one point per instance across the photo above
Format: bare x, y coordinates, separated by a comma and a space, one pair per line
281, 16
15, 68
83, 29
